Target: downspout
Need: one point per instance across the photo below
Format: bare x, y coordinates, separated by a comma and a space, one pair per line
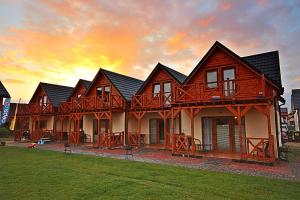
276, 119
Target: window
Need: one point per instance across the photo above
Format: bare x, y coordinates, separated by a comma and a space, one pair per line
228, 74
167, 93
229, 81
43, 100
156, 89
99, 91
107, 90
212, 79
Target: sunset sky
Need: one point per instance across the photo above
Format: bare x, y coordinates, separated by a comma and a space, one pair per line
60, 41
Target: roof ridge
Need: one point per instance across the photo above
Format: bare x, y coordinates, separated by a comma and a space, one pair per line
261, 53
105, 70
173, 69
43, 83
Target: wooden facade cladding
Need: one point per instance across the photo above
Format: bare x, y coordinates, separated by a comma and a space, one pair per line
247, 84
146, 98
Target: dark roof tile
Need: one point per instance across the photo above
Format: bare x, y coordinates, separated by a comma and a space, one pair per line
56, 93
126, 85
267, 63
3, 92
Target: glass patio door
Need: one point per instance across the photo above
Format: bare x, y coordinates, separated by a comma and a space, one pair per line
223, 130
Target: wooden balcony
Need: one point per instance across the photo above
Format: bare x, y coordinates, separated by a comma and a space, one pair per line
229, 90
89, 104
35, 108
159, 100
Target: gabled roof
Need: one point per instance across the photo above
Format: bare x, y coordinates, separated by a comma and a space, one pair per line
3, 91
56, 93
255, 65
295, 99
84, 83
177, 76
126, 85
267, 63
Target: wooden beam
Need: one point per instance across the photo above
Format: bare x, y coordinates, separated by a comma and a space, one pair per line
232, 110
245, 110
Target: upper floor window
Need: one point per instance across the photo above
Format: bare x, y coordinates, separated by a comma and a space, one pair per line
156, 89
43, 100
228, 74
212, 79
107, 90
99, 91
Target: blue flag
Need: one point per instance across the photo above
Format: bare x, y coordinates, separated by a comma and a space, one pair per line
5, 112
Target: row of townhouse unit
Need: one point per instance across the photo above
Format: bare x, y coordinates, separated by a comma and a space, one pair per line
228, 105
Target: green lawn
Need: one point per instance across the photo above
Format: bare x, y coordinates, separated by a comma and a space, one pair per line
38, 174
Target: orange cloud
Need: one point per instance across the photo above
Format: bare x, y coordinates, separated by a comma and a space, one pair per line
204, 22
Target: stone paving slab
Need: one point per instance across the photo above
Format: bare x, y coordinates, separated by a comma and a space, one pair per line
281, 169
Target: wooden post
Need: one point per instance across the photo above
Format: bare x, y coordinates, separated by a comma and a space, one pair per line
62, 128
69, 134
271, 141
126, 129
192, 131
239, 117
165, 129
99, 129
110, 122
173, 127
263, 85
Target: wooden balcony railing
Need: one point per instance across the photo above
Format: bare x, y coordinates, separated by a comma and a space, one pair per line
158, 100
135, 139
111, 140
242, 89
86, 104
35, 108
181, 144
260, 149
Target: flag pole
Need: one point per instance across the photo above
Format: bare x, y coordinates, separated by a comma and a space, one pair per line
13, 122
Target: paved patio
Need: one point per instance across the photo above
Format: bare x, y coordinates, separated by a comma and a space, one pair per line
281, 169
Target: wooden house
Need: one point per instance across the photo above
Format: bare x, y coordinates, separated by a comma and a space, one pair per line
100, 112
149, 119
40, 112
230, 106
71, 105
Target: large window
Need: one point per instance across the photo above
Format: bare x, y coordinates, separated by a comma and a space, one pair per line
212, 79
156, 90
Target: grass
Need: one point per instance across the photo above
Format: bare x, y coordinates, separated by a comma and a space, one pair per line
39, 174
